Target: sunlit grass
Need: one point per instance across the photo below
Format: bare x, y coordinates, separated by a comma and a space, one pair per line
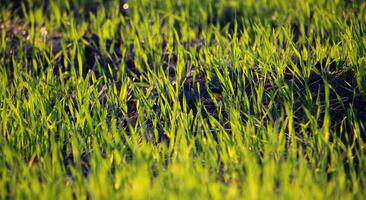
183, 99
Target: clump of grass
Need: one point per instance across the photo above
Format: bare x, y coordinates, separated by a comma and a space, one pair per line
182, 99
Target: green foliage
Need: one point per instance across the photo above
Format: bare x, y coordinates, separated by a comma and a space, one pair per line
280, 88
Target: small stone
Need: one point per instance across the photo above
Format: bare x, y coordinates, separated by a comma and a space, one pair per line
125, 6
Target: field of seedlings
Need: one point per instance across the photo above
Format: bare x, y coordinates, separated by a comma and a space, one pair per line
182, 99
